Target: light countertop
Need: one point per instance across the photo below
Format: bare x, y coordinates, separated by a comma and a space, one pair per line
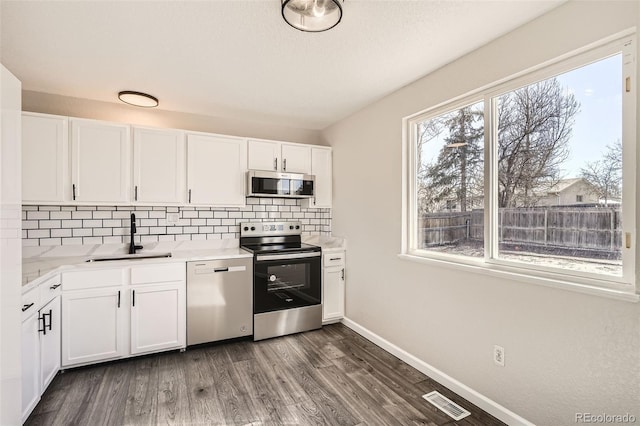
41, 263
329, 244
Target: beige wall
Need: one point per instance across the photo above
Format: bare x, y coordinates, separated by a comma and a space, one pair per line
566, 352
85, 108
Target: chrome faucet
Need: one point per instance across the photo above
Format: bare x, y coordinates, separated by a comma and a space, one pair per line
133, 247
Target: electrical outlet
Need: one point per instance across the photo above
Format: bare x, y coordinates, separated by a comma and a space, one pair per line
172, 217
498, 355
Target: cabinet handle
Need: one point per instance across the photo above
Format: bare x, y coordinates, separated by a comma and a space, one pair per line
25, 307
342, 274
133, 297
135, 195
118, 298
275, 164
53, 287
334, 258
74, 191
284, 165
189, 196
314, 201
44, 320
42, 330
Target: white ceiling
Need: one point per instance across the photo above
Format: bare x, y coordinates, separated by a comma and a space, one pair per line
232, 58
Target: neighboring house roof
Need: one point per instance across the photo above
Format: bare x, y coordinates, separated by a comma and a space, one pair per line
563, 184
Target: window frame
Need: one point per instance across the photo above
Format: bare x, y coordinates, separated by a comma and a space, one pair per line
624, 43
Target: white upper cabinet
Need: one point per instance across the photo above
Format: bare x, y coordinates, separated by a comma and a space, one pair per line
159, 174
279, 156
264, 155
45, 157
321, 168
296, 158
216, 167
100, 161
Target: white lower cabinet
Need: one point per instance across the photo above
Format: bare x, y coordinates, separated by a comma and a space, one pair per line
30, 362
139, 309
333, 286
158, 317
50, 340
92, 323
40, 341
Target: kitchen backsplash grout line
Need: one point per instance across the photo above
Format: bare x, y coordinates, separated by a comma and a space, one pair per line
65, 225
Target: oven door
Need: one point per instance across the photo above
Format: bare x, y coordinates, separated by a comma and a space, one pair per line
284, 281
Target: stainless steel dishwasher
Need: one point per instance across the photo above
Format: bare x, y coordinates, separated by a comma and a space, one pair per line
219, 300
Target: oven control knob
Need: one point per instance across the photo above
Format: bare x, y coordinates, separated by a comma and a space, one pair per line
297, 226
272, 278
291, 227
253, 228
246, 228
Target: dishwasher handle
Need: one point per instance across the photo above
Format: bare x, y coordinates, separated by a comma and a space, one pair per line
205, 269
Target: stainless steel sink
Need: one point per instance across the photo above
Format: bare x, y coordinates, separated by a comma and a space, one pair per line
137, 256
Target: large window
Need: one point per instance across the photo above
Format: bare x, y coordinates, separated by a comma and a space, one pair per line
536, 174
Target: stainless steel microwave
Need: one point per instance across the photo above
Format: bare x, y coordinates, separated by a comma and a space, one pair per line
279, 185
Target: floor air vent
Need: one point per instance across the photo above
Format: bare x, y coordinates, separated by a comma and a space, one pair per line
445, 404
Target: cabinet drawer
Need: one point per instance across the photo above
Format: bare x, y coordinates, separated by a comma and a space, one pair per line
92, 279
158, 273
50, 289
333, 259
30, 303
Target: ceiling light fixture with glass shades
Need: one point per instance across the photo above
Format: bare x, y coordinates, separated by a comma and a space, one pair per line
312, 15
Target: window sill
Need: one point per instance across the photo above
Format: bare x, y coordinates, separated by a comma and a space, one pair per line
501, 272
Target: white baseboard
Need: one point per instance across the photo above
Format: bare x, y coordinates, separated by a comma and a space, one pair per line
491, 407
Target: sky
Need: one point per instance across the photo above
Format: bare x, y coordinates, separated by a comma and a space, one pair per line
598, 89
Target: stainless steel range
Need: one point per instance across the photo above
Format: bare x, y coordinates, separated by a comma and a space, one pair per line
286, 279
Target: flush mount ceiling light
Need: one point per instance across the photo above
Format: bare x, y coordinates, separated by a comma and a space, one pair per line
312, 15
138, 99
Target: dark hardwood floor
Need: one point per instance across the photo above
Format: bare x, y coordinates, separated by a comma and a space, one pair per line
331, 376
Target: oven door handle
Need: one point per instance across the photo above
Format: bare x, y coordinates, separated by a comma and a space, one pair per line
286, 256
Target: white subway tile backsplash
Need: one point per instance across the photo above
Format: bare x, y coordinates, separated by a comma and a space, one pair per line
61, 232
102, 215
68, 225
82, 232
81, 215
38, 233
189, 214
60, 215
37, 215
50, 241
71, 241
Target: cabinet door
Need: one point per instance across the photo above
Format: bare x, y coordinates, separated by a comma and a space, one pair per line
100, 161
216, 168
30, 365
264, 155
45, 168
158, 166
92, 322
158, 317
321, 168
296, 158
333, 294
50, 339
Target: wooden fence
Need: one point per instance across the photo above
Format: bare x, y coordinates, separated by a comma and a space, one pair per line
590, 228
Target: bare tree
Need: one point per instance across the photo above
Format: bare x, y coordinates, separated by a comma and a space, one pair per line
606, 174
534, 129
